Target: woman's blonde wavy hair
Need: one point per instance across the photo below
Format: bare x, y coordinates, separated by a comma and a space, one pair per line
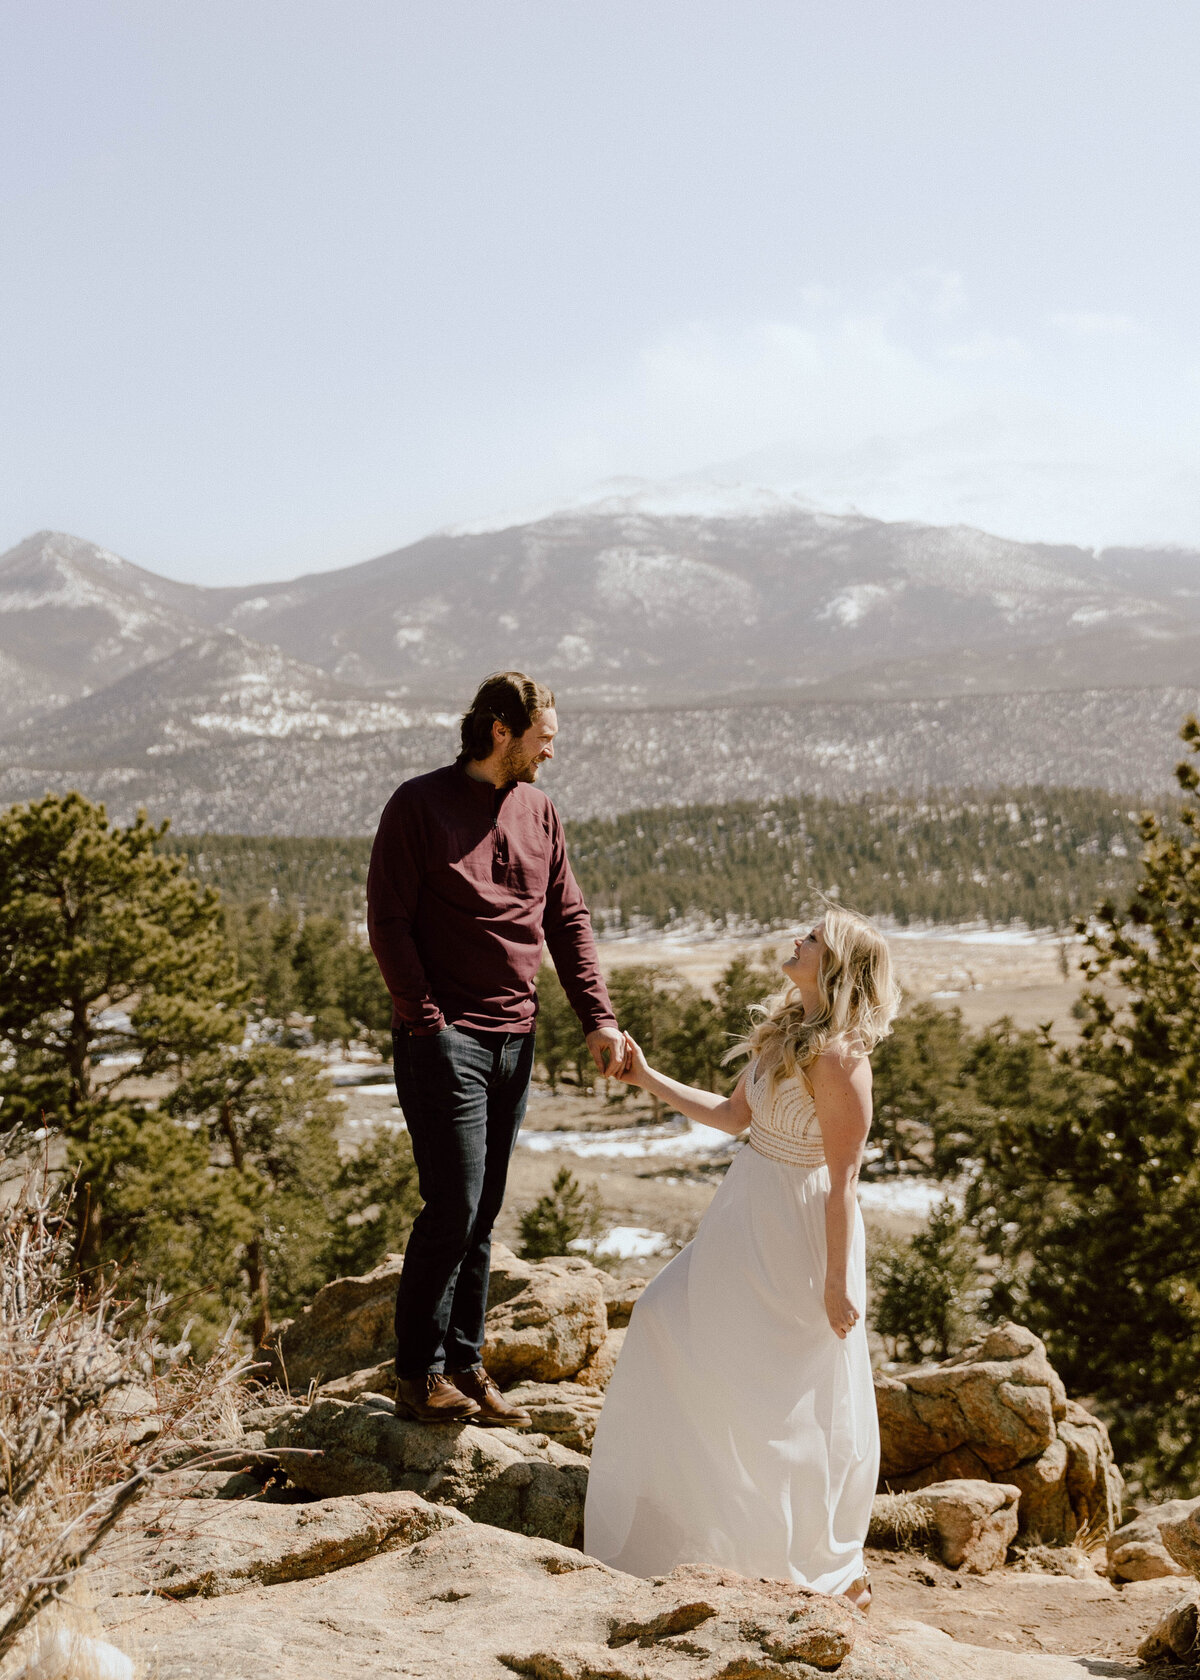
859, 998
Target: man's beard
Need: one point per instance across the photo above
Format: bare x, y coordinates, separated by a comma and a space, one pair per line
517, 768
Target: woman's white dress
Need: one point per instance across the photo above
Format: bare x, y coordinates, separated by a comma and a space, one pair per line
738, 1430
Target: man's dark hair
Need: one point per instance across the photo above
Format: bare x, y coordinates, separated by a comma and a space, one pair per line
507, 697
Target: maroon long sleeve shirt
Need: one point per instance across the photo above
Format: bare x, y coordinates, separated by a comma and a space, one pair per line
466, 881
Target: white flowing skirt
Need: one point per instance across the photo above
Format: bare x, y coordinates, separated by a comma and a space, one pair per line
738, 1430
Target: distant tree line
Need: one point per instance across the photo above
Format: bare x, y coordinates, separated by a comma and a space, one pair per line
1033, 855
1036, 855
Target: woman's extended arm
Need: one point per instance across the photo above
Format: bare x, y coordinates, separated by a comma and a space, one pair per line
841, 1088
728, 1114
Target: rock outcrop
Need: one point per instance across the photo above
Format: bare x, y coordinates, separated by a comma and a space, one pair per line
1176, 1638
1181, 1537
199, 1552
518, 1481
346, 1326
600, 1367
935, 1655
969, 1525
621, 1295
472, 1603
547, 1320
550, 1328
998, 1412
1137, 1550
566, 1412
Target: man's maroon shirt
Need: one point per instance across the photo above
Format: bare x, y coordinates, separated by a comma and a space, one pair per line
466, 879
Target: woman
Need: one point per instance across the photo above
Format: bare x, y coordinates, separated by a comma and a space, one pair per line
739, 1428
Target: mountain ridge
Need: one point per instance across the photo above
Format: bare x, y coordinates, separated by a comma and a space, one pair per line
760, 651
613, 603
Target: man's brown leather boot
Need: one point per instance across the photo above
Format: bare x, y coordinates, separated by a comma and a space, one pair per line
493, 1407
433, 1399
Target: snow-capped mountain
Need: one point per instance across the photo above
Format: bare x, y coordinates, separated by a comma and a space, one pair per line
217, 688
641, 596
74, 617
743, 643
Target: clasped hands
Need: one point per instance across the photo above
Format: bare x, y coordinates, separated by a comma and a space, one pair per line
611, 1052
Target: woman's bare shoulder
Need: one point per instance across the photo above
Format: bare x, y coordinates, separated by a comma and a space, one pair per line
843, 1061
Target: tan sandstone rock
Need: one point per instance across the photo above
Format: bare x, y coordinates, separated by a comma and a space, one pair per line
472, 1603
998, 1412
185, 1551
1176, 1638
550, 1328
564, 1411
969, 1524
376, 1379
1137, 1550
934, 1655
346, 1326
621, 1295
546, 1320
600, 1367
1181, 1537
519, 1481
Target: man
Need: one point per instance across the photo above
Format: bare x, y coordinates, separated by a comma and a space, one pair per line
468, 874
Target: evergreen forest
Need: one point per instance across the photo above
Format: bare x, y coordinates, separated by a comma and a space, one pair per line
1040, 856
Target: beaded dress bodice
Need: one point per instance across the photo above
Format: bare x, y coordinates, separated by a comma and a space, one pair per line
783, 1120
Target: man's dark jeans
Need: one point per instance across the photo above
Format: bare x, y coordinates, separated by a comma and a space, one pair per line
463, 1094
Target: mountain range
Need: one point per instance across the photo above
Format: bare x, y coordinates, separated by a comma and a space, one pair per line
756, 618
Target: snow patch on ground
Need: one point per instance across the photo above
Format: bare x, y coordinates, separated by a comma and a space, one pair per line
916, 1197
623, 1242
672, 1137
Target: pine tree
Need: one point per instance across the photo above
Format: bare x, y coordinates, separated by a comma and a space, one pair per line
916, 1072
560, 1040
272, 1123
1092, 1191
926, 1290
567, 1214
648, 1001
113, 967
310, 1214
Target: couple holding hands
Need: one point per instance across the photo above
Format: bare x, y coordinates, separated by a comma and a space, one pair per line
739, 1427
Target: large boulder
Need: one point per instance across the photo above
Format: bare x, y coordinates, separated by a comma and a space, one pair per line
472, 1602
347, 1325
969, 1524
522, 1482
998, 1412
550, 1328
600, 1367
546, 1320
1137, 1550
1176, 1637
1181, 1537
566, 1412
621, 1295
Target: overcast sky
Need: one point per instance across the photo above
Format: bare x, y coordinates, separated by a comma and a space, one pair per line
286, 283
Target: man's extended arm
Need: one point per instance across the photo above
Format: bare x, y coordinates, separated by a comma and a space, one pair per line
393, 882
568, 930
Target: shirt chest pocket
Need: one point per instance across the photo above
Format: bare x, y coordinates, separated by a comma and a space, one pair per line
524, 872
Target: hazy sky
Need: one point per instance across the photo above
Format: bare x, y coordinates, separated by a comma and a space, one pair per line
284, 285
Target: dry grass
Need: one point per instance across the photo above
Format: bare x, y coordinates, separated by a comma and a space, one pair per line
899, 1522
92, 1404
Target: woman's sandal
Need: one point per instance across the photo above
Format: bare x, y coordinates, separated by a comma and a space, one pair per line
858, 1593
